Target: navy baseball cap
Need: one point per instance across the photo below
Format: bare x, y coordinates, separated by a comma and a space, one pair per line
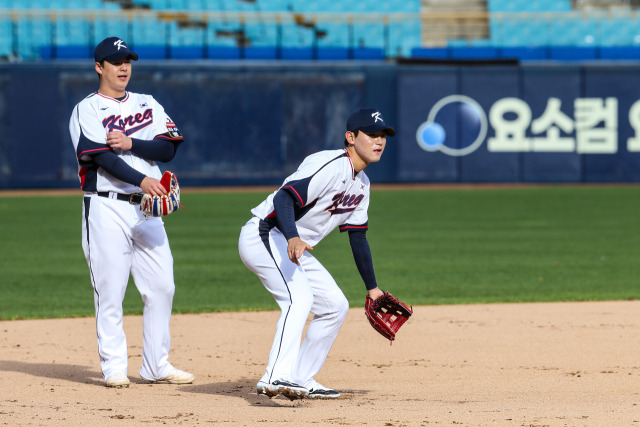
368, 120
113, 49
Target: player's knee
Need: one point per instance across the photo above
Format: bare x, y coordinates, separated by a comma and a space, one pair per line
165, 292
302, 301
342, 306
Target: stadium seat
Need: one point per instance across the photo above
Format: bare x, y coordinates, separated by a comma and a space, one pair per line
104, 27
6, 38
146, 30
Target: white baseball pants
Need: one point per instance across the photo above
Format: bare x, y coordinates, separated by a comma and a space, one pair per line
298, 290
117, 241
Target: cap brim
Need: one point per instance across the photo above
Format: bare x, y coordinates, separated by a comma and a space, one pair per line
120, 56
377, 128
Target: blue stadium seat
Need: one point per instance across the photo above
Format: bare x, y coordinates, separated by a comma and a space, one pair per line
186, 43
368, 34
146, 30
220, 34
176, 5
107, 27
296, 36
71, 31
403, 37
6, 38
336, 35
261, 34
273, 5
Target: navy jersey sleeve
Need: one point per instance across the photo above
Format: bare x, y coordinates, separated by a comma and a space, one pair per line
157, 149
299, 191
283, 204
92, 155
87, 149
362, 257
117, 167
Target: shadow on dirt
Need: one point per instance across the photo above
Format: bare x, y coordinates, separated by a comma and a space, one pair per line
245, 388
57, 371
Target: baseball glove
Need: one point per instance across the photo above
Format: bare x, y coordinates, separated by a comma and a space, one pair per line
164, 205
386, 314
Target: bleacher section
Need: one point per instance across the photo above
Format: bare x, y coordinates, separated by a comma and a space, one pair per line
319, 29
549, 30
211, 29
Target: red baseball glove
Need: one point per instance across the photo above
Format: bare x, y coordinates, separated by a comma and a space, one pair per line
386, 314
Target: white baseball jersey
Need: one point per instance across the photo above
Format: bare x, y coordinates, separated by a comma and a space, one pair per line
328, 194
137, 115
117, 239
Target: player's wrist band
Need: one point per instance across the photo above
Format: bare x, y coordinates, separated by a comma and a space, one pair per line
133, 199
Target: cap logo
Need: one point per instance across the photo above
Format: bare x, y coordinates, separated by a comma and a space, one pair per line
377, 116
120, 44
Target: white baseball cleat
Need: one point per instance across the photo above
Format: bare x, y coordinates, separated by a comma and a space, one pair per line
288, 389
318, 391
266, 389
117, 380
177, 377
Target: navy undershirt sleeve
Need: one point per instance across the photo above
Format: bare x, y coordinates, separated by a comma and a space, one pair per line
158, 150
283, 204
117, 167
362, 256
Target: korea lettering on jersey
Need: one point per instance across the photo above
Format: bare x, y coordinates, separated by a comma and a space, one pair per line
327, 193
137, 115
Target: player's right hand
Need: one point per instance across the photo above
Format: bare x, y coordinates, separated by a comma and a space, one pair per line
296, 248
153, 187
117, 139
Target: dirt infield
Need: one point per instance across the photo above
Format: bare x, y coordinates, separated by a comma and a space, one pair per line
558, 364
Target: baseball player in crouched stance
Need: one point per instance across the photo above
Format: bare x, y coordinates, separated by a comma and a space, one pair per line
118, 137
329, 190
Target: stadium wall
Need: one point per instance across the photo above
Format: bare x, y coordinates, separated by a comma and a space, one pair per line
250, 123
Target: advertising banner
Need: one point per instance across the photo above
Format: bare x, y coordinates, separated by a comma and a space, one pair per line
519, 124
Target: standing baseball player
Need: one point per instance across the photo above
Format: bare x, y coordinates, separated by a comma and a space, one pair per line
329, 190
118, 137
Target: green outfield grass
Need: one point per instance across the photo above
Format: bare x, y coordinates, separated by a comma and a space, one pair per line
430, 246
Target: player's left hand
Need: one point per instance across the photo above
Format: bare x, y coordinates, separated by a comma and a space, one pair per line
296, 247
375, 293
117, 139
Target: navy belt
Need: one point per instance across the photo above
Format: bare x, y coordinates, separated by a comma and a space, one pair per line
134, 199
